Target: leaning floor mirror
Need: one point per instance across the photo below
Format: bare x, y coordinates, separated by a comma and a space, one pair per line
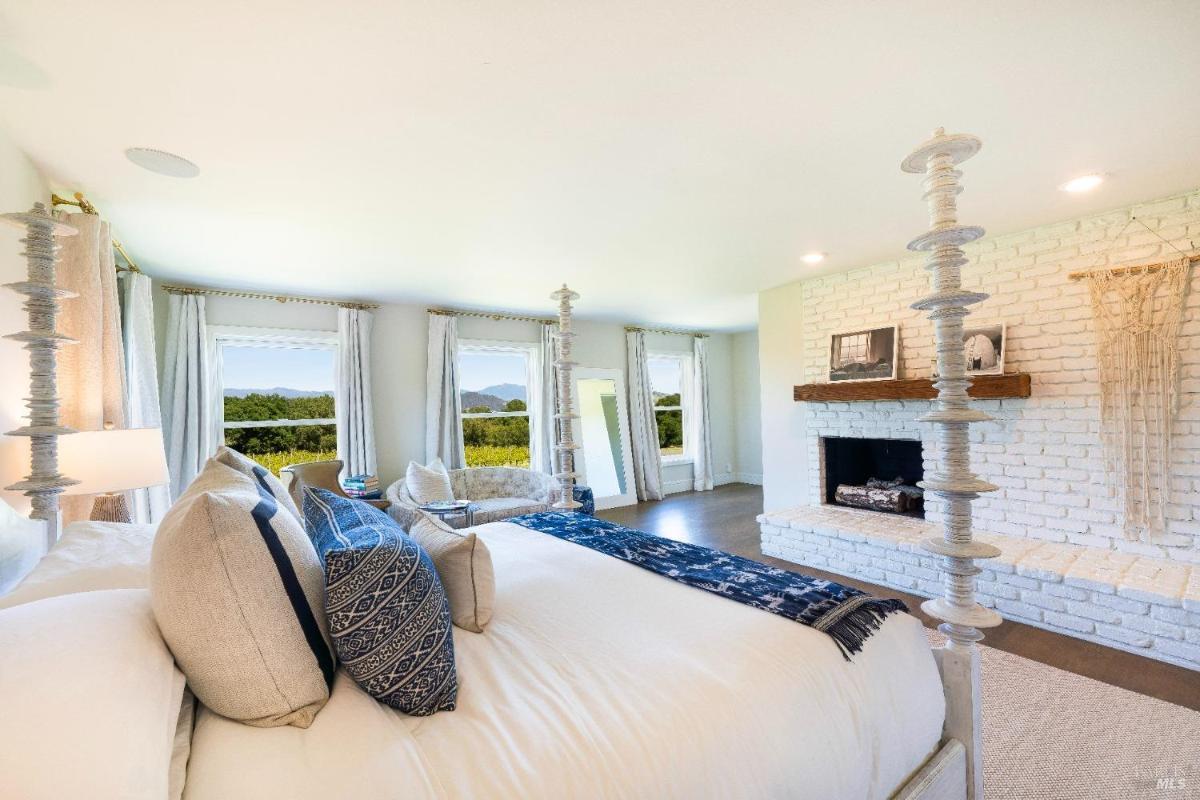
604, 435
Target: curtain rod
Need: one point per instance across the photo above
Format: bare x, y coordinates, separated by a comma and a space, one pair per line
279, 298
454, 312
86, 207
668, 332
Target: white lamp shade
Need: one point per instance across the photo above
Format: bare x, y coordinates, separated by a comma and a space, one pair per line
112, 460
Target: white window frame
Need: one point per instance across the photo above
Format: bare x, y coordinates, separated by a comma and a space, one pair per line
526, 349
279, 338
685, 404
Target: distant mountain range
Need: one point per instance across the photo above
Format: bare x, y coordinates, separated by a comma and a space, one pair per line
283, 391
494, 397
505, 391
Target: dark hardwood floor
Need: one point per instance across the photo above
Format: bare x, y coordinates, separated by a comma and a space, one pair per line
724, 519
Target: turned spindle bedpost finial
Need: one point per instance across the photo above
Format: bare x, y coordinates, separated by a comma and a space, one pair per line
565, 446
44, 482
953, 483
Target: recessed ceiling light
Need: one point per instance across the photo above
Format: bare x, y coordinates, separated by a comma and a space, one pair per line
1084, 183
162, 162
813, 258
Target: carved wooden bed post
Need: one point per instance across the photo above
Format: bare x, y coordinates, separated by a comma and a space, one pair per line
44, 483
953, 483
565, 447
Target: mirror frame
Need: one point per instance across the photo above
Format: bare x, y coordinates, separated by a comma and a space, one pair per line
618, 377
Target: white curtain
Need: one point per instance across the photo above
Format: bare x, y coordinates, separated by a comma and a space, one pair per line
545, 404
701, 429
91, 373
643, 427
352, 403
141, 381
188, 411
443, 405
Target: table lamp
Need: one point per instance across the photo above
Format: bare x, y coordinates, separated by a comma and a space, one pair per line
110, 462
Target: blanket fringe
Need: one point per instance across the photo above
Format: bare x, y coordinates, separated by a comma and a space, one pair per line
851, 622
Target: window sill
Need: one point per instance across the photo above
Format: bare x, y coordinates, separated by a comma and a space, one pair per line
672, 461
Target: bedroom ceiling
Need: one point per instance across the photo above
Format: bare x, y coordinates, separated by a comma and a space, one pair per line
667, 159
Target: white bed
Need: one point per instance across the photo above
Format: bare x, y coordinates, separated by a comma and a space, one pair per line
599, 679
594, 679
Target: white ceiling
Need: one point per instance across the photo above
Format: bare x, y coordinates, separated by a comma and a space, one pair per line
667, 159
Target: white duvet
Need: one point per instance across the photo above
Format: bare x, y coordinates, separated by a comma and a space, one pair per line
599, 679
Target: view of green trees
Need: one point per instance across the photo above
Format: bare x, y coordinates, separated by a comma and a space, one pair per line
497, 441
277, 447
670, 426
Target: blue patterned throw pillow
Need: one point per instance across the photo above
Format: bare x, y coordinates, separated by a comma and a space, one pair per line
388, 613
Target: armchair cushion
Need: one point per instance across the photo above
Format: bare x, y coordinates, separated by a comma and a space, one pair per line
494, 509
428, 484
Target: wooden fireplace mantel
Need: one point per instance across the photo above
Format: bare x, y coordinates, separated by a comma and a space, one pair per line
983, 387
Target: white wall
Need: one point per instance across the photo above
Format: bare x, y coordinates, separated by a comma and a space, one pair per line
399, 363
20, 187
747, 408
781, 366
1045, 453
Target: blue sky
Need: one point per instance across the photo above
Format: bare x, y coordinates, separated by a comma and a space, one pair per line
478, 371
664, 375
269, 367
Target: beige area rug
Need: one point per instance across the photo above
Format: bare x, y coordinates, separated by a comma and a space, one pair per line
1055, 735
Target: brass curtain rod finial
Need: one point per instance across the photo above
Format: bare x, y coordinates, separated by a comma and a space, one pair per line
79, 202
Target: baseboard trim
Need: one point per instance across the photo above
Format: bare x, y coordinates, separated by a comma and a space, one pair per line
721, 479
675, 487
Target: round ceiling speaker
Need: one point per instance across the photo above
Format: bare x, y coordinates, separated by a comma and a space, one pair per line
162, 162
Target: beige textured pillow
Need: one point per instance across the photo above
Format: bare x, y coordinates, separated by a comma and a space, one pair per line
252, 469
428, 484
238, 591
464, 564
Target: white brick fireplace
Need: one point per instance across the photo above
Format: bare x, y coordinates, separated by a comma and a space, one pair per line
1068, 564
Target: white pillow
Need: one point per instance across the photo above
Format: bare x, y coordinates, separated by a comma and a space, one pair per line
90, 556
91, 698
428, 484
22, 543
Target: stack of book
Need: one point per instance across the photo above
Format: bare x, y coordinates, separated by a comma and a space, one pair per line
363, 487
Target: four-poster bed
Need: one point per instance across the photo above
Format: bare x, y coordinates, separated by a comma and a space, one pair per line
587, 679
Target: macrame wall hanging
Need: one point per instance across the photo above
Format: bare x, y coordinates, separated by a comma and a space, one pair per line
1138, 310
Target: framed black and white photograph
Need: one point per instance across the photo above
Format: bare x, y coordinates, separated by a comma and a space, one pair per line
864, 355
984, 348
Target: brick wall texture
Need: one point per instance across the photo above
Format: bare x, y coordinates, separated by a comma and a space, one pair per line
1044, 452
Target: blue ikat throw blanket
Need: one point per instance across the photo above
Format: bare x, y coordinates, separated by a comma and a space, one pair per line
847, 615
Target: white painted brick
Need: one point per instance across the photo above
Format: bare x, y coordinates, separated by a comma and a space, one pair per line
1124, 635
1044, 601
1122, 604
886, 552
1093, 612
1179, 649
1024, 611
1069, 592
1069, 622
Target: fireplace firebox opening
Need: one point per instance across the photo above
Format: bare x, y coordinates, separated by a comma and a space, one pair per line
876, 474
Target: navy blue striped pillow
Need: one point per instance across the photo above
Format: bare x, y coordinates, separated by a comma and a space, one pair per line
389, 616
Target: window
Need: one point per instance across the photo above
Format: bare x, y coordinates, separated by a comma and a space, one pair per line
277, 393
669, 381
852, 349
495, 378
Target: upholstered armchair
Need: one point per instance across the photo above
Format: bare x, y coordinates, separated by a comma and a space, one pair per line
496, 492
320, 475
